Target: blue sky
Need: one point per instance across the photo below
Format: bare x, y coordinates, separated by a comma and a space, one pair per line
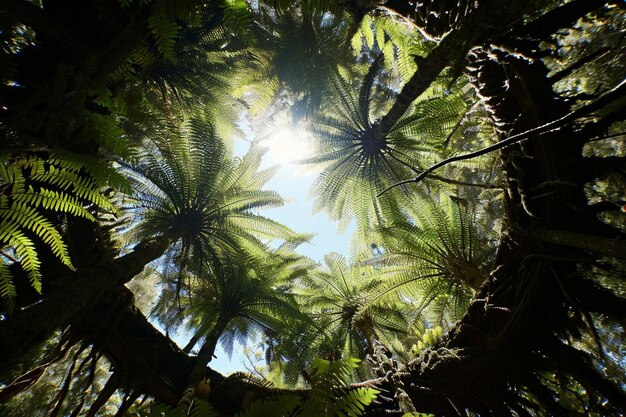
293, 183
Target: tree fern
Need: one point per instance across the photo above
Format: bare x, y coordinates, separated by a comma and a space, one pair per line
328, 395
297, 36
188, 187
244, 293
434, 256
349, 317
26, 202
358, 165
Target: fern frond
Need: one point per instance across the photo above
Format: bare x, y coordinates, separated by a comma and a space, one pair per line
165, 32
328, 395
7, 289
25, 251
354, 401
238, 18
26, 197
81, 186
25, 217
53, 200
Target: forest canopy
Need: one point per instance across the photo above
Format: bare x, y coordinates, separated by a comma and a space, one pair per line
478, 147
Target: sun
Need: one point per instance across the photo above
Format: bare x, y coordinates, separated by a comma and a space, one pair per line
287, 146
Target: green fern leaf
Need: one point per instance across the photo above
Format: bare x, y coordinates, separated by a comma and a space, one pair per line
25, 217
7, 289
165, 33
22, 205
238, 19
25, 251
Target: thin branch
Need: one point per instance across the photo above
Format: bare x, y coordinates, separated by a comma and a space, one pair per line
443, 179
578, 64
607, 137
9, 257
613, 94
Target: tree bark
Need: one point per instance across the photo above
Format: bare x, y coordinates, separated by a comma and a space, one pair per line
26, 328
489, 19
205, 355
595, 244
192, 342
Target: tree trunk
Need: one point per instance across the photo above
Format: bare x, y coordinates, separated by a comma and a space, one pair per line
595, 244
205, 355
127, 402
26, 328
107, 391
192, 342
490, 18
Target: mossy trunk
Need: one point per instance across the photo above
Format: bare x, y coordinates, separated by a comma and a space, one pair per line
24, 329
205, 355
206, 352
490, 18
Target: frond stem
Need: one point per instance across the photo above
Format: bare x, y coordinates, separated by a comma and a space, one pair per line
615, 93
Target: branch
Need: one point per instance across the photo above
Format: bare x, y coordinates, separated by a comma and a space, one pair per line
597, 244
579, 64
560, 17
614, 94
607, 137
489, 20
24, 328
444, 179
467, 184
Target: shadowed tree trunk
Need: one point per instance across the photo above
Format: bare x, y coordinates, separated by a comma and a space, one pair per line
490, 18
192, 342
27, 327
206, 352
105, 394
205, 355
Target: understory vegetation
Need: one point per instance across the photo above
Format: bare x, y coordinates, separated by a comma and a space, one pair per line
478, 147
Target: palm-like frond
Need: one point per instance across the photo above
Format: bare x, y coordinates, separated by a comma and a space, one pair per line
358, 163
349, 316
434, 256
248, 294
303, 35
189, 188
